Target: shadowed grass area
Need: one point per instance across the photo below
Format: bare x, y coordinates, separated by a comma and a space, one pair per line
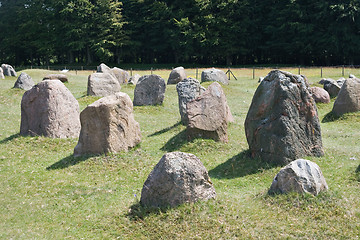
46, 193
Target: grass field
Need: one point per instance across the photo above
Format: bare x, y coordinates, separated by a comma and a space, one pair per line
46, 193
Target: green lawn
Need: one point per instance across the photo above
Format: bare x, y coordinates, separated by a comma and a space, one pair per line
46, 193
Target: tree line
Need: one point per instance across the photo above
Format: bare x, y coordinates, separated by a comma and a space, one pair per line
220, 32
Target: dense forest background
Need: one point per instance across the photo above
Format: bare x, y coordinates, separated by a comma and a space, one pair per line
219, 32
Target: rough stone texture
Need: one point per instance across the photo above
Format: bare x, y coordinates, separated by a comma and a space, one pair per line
188, 89
119, 74
209, 114
108, 125
352, 76
49, 109
178, 178
134, 79
8, 70
102, 84
2, 73
282, 123
62, 77
214, 75
177, 75
332, 87
340, 81
348, 99
150, 90
24, 81
320, 95
302, 176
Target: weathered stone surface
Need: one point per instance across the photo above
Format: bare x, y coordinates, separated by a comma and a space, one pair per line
134, 79
282, 123
302, 176
49, 109
209, 114
177, 75
119, 74
102, 84
348, 99
188, 89
320, 95
352, 76
103, 68
2, 73
150, 90
332, 87
178, 178
214, 75
62, 77
340, 81
8, 70
24, 81
108, 125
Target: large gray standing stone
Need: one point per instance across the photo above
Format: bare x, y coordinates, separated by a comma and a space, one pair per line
24, 81
176, 75
320, 95
282, 123
209, 114
102, 84
62, 77
178, 178
121, 75
108, 125
188, 89
302, 176
348, 99
214, 75
150, 90
8, 70
49, 109
332, 87
2, 73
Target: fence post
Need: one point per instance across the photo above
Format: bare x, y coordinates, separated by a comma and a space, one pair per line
253, 73
151, 70
321, 73
82, 68
197, 73
299, 70
342, 70
229, 73
131, 72
48, 68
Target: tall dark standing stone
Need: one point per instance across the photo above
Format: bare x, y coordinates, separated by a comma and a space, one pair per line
150, 90
282, 123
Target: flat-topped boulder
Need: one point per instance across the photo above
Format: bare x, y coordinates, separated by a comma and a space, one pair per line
188, 89
302, 176
56, 76
102, 84
282, 123
150, 90
176, 75
108, 125
24, 81
348, 99
177, 178
214, 75
209, 114
49, 109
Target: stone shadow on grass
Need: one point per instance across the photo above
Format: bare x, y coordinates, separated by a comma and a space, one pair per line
330, 117
357, 172
67, 162
240, 165
176, 142
165, 130
5, 140
138, 211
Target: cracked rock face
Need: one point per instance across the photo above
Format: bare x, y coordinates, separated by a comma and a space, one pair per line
177, 178
282, 123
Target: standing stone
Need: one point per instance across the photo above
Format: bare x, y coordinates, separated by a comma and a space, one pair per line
119, 74
62, 77
178, 178
188, 89
102, 84
282, 123
209, 114
177, 75
2, 73
24, 81
8, 70
134, 79
214, 75
108, 125
320, 95
352, 76
150, 90
302, 176
348, 99
332, 87
49, 109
